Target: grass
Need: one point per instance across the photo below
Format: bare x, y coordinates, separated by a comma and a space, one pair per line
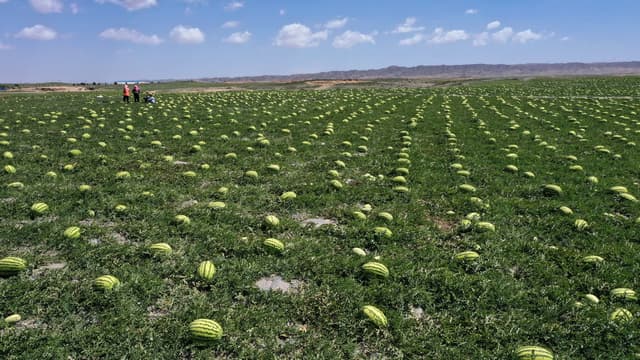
522, 290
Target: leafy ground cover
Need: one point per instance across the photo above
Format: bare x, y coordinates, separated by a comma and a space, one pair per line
448, 188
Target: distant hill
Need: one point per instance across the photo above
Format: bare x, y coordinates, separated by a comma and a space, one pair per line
453, 71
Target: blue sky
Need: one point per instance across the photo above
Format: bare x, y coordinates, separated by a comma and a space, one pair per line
108, 40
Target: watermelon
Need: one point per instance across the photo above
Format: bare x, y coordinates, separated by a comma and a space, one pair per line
206, 270
376, 315
216, 205
592, 259
106, 283
205, 330
160, 249
274, 244
12, 265
181, 220
534, 353
552, 190
621, 315
72, 232
39, 208
12, 319
467, 256
624, 293
376, 268
271, 221
581, 224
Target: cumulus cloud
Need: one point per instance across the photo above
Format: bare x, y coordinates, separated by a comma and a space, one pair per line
37, 32
408, 26
503, 35
415, 39
238, 37
299, 36
524, 36
565, 38
47, 6
336, 23
234, 5
350, 38
131, 35
131, 5
440, 36
186, 35
471, 11
230, 24
481, 39
493, 25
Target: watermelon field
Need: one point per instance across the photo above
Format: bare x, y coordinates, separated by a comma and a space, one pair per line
488, 220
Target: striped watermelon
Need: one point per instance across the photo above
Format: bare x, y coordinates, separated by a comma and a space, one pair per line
39, 208
160, 249
106, 282
624, 293
206, 270
205, 330
376, 315
534, 353
274, 244
376, 268
72, 232
467, 256
12, 265
621, 315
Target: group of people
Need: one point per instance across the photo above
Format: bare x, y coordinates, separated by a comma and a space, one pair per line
126, 93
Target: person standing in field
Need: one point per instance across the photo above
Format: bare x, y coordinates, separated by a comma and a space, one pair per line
125, 93
136, 93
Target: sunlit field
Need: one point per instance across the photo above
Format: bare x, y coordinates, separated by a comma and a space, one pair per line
490, 220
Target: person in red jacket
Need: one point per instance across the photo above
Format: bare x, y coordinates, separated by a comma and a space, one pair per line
125, 93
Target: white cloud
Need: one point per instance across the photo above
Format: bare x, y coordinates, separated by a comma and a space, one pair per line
131, 35
471, 11
565, 38
74, 8
408, 26
234, 5
440, 36
299, 36
3, 1
350, 38
47, 6
493, 25
230, 24
481, 39
503, 35
2, 45
186, 35
37, 32
415, 39
336, 23
238, 37
131, 5
523, 36
282, 12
